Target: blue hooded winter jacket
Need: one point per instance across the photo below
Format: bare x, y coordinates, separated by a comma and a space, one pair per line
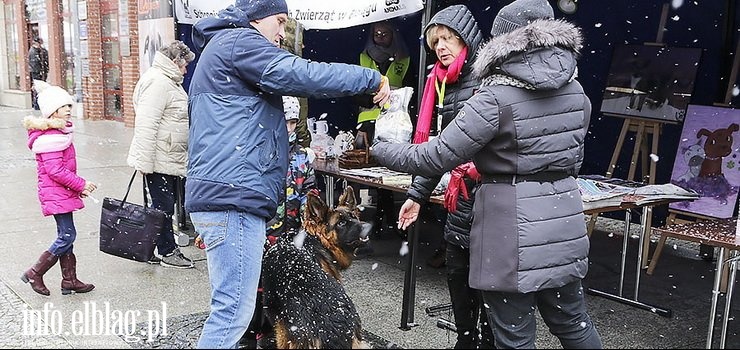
238, 146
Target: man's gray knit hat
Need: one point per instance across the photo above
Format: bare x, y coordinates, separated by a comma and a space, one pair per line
259, 9
519, 14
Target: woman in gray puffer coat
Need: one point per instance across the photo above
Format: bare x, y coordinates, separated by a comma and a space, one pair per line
525, 131
454, 37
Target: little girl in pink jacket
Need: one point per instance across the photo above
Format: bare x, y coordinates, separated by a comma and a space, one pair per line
60, 188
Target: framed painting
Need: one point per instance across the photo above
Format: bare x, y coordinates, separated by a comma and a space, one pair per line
708, 161
650, 82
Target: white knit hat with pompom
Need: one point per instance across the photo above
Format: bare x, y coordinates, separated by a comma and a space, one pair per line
51, 97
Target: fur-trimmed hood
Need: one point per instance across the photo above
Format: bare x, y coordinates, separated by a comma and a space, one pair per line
542, 54
48, 134
32, 122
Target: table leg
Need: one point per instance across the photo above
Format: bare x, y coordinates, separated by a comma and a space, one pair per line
644, 231
728, 297
715, 295
627, 221
409, 280
619, 298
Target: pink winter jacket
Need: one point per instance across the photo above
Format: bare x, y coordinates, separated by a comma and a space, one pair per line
59, 186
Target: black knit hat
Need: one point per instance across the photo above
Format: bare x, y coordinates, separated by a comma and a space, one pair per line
259, 9
519, 14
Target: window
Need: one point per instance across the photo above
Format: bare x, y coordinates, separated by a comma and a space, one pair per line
112, 89
13, 49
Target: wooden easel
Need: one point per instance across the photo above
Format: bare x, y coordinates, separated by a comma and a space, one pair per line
679, 216
642, 129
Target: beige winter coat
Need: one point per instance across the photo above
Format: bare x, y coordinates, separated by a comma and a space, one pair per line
160, 142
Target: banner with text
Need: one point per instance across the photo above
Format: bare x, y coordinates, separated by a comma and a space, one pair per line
312, 14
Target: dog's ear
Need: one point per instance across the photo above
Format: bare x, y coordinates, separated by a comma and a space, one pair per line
347, 199
315, 208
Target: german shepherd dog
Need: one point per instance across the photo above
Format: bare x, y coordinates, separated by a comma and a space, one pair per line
304, 298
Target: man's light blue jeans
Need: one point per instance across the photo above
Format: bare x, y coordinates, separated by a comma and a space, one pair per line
234, 243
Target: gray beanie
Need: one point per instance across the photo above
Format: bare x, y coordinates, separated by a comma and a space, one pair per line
259, 9
519, 14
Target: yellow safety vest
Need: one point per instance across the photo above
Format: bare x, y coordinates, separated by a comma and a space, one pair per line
395, 74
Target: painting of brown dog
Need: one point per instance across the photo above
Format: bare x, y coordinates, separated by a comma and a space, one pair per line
707, 161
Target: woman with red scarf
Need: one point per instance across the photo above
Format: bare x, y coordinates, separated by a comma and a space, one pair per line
454, 37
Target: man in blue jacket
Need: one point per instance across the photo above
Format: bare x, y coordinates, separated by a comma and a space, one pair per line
238, 146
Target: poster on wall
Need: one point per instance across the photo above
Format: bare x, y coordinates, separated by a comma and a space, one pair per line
36, 10
156, 29
83, 29
124, 38
82, 10
708, 161
153, 34
651, 82
312, 14
150, 9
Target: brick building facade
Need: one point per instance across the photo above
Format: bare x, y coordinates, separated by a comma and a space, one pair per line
93, 50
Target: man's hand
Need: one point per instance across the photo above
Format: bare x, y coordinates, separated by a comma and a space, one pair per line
408, 214
384, 92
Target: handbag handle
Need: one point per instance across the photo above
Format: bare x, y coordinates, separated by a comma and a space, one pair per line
128, 189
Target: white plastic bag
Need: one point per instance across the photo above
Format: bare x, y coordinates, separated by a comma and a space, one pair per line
394, 123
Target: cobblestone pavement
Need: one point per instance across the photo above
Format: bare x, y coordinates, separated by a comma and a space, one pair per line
183, 333
11, 322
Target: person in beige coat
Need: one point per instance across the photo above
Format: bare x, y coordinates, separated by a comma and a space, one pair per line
160, 144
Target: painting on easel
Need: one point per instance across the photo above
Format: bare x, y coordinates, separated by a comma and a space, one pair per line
651, 82
708, 160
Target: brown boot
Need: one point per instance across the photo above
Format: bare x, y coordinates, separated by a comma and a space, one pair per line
70, 283
35, 275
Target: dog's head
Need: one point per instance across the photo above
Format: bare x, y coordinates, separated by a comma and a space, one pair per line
719, 141
339, 228
694, 155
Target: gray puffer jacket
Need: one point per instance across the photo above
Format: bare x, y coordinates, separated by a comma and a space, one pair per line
525, 132
461, 20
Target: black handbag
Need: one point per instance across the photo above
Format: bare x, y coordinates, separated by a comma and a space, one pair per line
129, 230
